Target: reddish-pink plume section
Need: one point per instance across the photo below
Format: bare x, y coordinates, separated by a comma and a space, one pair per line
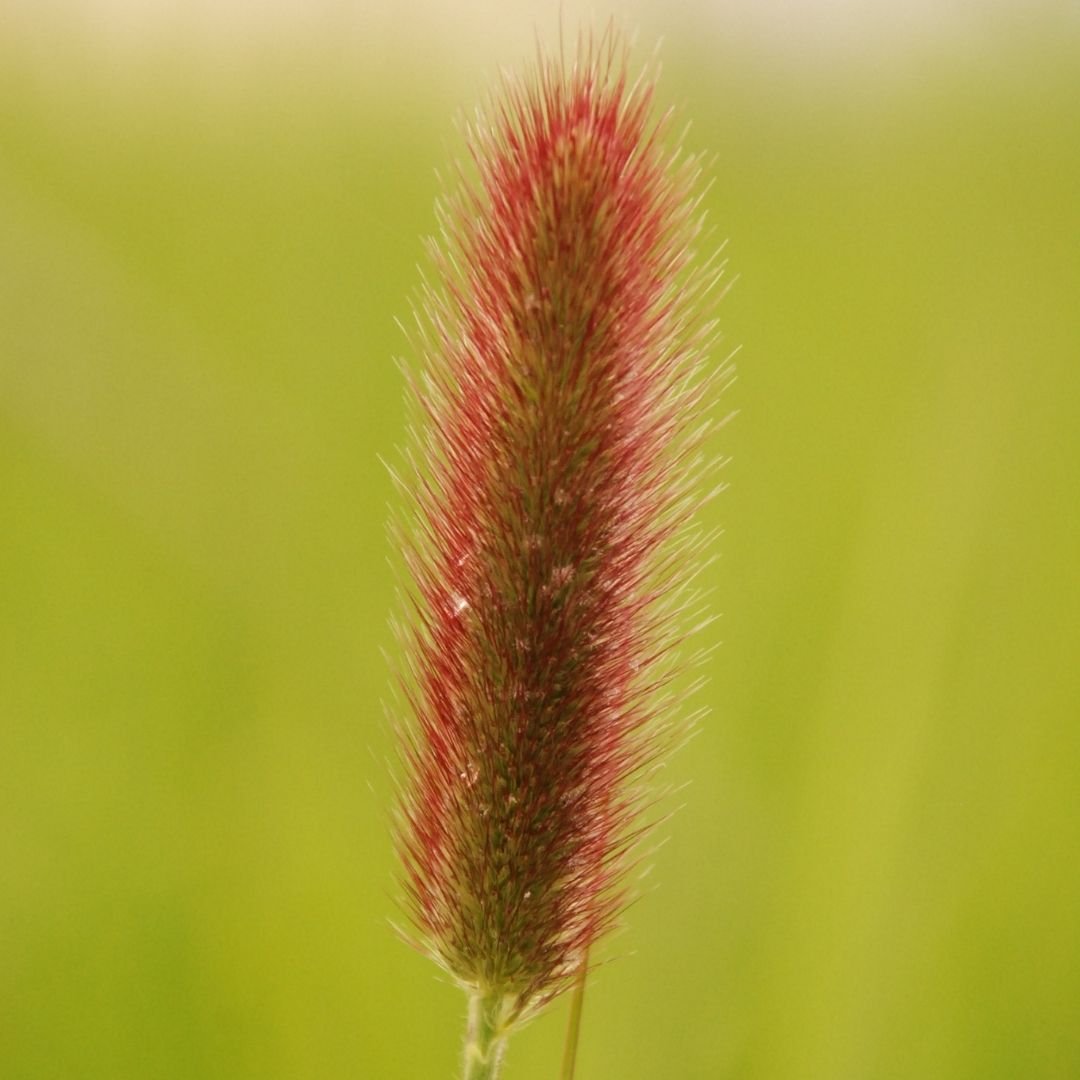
555, 448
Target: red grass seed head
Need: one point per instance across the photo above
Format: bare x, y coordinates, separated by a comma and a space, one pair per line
553, 469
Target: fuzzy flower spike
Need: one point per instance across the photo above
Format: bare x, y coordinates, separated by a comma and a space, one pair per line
554, 463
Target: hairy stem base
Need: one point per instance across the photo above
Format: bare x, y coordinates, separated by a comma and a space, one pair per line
485, 1038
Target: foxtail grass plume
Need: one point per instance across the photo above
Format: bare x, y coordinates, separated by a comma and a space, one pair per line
554, 464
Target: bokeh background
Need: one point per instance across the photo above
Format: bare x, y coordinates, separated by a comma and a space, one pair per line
210, 218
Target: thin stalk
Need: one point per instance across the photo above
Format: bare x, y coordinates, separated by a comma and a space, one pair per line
485, 1037
573, 1027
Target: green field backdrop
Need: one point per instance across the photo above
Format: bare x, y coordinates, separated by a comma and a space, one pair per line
875, 870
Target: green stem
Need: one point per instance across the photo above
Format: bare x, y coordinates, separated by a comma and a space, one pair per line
485, 1039
573, 1029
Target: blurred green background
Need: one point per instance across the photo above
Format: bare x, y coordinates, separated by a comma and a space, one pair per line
205, 238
